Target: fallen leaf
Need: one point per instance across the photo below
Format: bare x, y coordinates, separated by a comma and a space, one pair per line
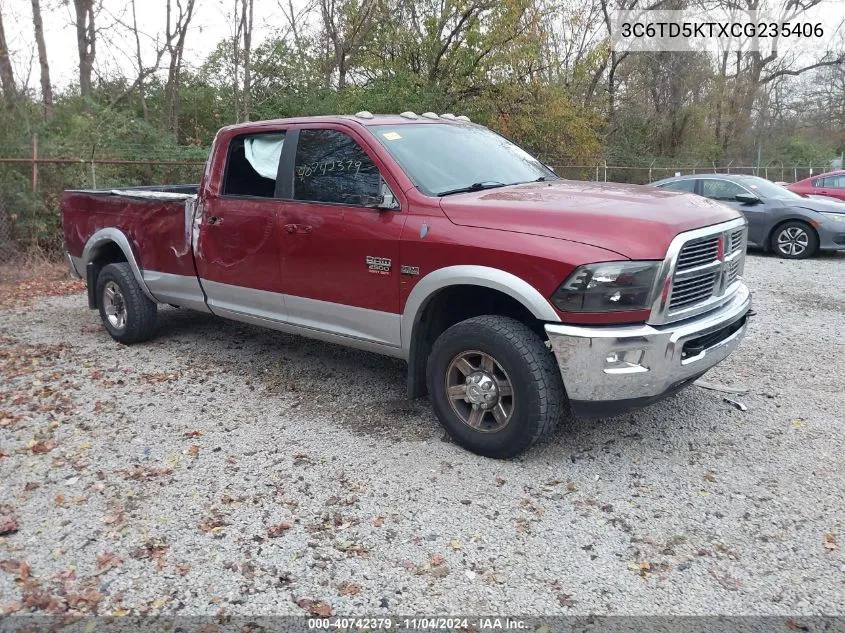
42, 446
437, 560
829, 541
279, 529
455, 545
193, 434
709, 476
349, 589
500, 482
315, 607
8, 521
108, 560
378, 521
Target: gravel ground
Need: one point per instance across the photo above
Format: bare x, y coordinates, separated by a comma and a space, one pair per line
226, 467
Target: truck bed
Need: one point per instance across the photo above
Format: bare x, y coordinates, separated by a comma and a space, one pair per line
157, 221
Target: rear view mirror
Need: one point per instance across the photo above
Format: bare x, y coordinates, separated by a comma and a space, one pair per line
747, 198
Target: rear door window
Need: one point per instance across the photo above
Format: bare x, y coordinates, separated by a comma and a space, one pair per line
331, 167
834, 182
253, 164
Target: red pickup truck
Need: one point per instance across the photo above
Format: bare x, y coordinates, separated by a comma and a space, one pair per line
515, 296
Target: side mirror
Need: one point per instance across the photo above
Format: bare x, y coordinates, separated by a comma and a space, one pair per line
374, 202
747, 198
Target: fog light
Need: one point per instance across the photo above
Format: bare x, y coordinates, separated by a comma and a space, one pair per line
624, 361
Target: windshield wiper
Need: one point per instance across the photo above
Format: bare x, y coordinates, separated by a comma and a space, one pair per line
476, 186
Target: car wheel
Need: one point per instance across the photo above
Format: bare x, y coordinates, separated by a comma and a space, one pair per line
127, 313
495, 386
795, 240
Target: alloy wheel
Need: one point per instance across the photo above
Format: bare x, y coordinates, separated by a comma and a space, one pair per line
793, 241
479, 391
114, 305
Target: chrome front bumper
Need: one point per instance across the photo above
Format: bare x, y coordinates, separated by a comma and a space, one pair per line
609, 369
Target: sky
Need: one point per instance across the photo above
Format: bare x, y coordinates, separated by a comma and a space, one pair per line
211, 23
115, 49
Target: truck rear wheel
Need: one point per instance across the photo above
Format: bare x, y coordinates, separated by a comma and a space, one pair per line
127, 313
495, 386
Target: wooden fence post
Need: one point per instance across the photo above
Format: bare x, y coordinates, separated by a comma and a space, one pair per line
34, 163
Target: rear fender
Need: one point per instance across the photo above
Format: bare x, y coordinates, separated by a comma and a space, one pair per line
111, 235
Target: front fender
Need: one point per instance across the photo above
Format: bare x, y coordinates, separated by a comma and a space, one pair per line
485, 276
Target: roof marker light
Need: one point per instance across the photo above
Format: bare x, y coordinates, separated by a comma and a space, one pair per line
364, 114
409, 115
463, 117
430, 115
449, 116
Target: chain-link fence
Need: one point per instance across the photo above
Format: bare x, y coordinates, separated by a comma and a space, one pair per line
30, 193
644, 174
30, 188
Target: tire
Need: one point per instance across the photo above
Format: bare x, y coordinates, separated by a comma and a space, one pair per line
127, 313
795, 240
500, 351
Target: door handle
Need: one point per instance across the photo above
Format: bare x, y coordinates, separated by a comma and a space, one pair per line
214, 220
298, 228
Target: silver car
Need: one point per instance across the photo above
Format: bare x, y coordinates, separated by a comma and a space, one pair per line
791, 225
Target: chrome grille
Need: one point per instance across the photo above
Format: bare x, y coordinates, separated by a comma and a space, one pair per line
734, 268
736, 240
706, 271
697, 253
691, 290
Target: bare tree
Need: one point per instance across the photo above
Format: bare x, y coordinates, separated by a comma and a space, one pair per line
346, 23
46, 85
7, 77
143, 71
246, 29
86, 44
175, 34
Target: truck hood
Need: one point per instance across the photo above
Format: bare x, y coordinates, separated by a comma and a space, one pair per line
634, 221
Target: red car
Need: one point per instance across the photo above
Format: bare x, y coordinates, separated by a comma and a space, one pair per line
831, 184
513, 295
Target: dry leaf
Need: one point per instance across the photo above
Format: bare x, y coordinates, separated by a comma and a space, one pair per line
829, 541
278, 530
437, 560
349, 589
42, 446
378, 521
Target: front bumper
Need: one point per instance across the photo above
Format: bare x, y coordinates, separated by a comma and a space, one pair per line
831, 235
610, 369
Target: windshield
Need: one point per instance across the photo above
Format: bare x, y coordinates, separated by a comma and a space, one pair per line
444, 159
767, 189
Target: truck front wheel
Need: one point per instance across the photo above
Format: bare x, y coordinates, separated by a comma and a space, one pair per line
495, 386
127, 314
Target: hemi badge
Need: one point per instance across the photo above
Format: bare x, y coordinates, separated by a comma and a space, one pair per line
410, 270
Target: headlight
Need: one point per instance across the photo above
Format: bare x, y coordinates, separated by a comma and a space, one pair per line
836, 217
608, 287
